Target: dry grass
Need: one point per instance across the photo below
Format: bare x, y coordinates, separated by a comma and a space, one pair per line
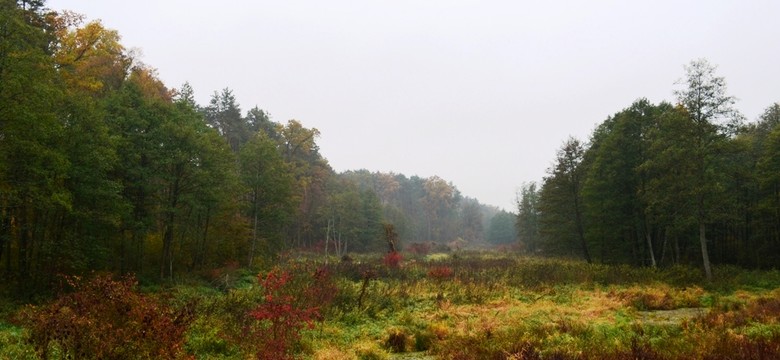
497, 308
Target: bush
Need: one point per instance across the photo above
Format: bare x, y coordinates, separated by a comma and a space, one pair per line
393, 259
440, 273
106, 319
398, 341
281, 318
289, 301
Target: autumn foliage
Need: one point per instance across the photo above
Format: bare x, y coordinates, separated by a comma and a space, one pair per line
393, 259
291, 304
103, 318
440, 273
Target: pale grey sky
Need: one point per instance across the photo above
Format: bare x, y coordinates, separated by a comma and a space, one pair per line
481, 93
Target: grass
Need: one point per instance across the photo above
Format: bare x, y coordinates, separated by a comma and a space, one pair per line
509, 307
499, 306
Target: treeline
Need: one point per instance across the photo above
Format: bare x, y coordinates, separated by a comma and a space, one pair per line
661, 184
103, 167
425, 210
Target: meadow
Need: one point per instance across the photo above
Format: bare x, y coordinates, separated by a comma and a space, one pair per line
481, 305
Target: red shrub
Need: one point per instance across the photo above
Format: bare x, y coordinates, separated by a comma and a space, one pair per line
290, 304
393, 259
107, 319
440, 273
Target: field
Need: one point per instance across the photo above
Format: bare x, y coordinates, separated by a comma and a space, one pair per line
439, 306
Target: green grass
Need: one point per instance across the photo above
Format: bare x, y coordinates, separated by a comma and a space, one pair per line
12, 343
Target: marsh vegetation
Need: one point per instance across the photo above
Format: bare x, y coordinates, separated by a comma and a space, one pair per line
441, 306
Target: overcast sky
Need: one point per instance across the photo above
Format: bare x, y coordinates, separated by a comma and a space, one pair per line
480, 93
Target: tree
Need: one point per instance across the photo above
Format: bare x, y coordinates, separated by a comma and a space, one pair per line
354, 217
270, 202
528, 217
33, 167
224, 115
615, 182
471, 227
768, 177
191, 158
90, 58
705, 96
713, 116
209, 226
299, 149
134, 120
438, 202
561, 200
502, 229
259, 120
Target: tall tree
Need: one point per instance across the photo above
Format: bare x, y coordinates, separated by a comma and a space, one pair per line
300, 150
259, 120
224, 115
270, 202
560, 201
471, 226
33, 167
90, 58
768, 176
615, 182
502, 230
438, 202
528, 217
713, 116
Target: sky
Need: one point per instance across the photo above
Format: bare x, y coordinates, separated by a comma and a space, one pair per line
479, 93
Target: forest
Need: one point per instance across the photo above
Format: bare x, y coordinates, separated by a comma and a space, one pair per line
136, 223
662, 184
103, 167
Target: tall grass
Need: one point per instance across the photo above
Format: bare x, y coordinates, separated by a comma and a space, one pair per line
477, 306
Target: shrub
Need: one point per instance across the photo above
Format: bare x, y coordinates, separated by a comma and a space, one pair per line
106, 319
393, 259
398, 341
440, 273
424, 339
290, 304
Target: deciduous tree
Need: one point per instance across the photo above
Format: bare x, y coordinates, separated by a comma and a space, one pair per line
713, 116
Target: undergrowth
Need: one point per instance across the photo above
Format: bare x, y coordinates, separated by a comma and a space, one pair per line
448, 306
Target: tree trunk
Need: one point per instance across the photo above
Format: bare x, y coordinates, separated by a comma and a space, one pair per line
167, 247
327, 241
663, 245
580, 230
676, 250
254, 233
204, 240
704, 253
649, 238
5, 231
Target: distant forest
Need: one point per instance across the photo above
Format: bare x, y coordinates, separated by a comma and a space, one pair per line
103, 167
663, 184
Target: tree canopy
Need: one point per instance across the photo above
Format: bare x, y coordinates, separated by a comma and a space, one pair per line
662, 184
